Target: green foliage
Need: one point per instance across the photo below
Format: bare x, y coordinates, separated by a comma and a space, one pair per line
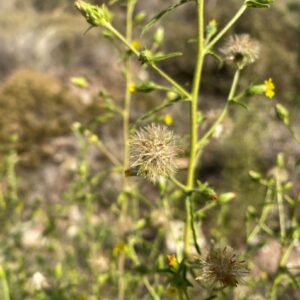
258, 3
127, 226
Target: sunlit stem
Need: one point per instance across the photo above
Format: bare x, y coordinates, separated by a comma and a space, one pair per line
219, 120
126, 115
193, 122
177, 86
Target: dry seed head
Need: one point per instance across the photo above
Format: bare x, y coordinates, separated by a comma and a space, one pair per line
153, 150
241, 49
223, 267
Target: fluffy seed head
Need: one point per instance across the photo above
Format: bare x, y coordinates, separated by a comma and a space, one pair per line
153, 150
241, 49
223, 267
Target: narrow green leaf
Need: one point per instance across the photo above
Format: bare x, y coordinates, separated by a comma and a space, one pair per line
158, 109
159, 57
258, 3
217, 57
162, 14
148, 86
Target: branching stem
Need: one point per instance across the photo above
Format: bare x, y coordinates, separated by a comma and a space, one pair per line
193, 122
177, 86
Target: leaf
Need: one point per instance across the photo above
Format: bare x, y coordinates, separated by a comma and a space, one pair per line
161, 15
238, 103
258, 3
149, 86
217, 57
157, 109
159, 57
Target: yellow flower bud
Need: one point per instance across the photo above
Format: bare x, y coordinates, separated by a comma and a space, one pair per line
131, 87
168, 120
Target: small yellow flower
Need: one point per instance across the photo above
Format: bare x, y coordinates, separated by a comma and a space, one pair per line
135, 44
264, 276
172, 262
269, 88
93, 139
131, 87
119, 248
213, 22
172, 291
168, 120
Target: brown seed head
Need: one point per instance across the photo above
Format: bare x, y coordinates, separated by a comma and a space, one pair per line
241, 49
223, 267
153, 150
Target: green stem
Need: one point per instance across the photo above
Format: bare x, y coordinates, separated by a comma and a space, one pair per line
294, 134
193, 121
108, 154
200, 212
226, 28
177, 86
280, 209
127, 101
194, 233
273, 292
178, 184
287, 253
150, 289
4, 290
212, 129
126, 112
265, 212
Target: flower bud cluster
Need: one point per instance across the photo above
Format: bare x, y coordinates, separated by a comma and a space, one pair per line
94, 15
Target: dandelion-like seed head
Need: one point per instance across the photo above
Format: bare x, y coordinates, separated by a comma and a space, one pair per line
241, 49
153, 150
223, 267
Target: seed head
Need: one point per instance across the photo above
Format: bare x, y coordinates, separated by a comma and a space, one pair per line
241, 49
223, 267
153, 150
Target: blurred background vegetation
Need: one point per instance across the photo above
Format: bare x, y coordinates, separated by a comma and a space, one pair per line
53, 175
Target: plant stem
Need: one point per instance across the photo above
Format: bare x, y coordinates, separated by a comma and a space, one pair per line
286, 254
127, 101
4, 289
280, 210
273, 292
177, 86
150, 289
126, 114
265, 212
212, 129
108, 154
178, 184
226, 28
193, 121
